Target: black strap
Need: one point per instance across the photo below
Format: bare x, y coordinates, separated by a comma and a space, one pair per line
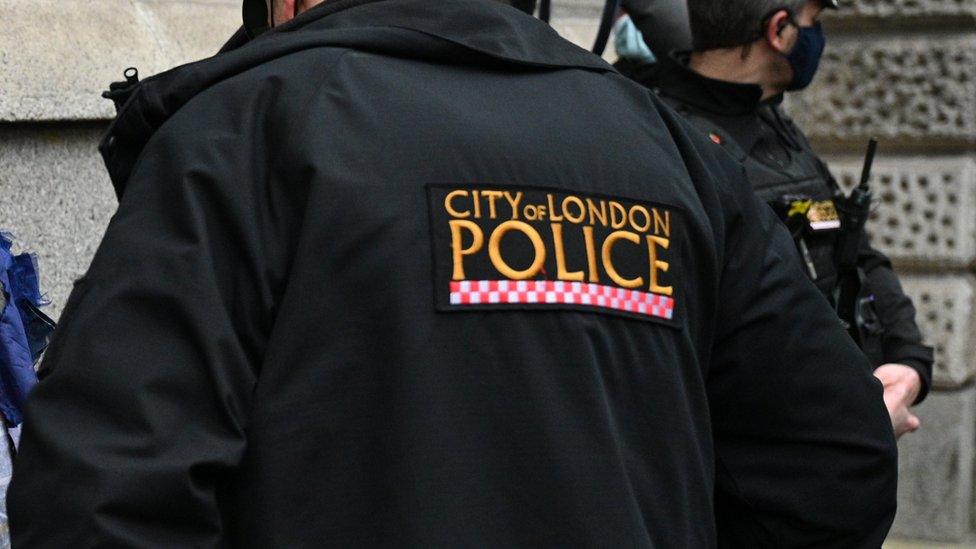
606, 25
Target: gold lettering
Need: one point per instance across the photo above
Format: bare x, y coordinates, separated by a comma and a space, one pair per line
513, 202
552, 208
450, 208
618, 215
608, 259
579, 204
647, 219
658, 266
591, 254
495, 252
457, 238
477, 205
595, 214
561, 272
662, 225
492, 197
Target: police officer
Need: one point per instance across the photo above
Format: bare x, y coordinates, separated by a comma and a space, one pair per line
389, 275
746, 55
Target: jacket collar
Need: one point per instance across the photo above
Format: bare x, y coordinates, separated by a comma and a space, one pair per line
490, 27
680, 82
452, 31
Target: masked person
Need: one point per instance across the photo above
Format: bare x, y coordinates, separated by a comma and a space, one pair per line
663, 24
746, 55
390, 275
630, 42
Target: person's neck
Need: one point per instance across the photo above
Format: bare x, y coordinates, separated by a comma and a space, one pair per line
729, 65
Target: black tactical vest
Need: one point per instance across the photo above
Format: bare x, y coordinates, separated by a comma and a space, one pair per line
786, 174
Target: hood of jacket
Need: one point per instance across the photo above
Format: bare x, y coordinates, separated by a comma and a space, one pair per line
450, 31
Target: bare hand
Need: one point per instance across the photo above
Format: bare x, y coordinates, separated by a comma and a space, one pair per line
901, 387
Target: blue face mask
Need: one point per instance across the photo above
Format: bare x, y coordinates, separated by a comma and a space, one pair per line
805, 56
630, 42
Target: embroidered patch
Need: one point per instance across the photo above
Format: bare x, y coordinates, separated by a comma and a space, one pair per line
530, 248
823, 216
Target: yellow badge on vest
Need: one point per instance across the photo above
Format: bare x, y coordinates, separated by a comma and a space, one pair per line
820, 215
518, 248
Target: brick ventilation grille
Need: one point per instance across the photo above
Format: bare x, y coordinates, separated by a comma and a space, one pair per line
904, 8
922, 209
944, 315
905, 88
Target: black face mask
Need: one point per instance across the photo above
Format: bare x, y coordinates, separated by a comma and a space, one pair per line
804, 58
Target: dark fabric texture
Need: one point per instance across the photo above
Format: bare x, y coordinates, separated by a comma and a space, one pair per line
779, 160
259, 355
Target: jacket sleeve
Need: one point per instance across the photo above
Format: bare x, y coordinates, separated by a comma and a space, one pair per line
805, 454
142, 415
901, 341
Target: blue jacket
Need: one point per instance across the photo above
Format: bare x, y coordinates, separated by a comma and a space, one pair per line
24, 330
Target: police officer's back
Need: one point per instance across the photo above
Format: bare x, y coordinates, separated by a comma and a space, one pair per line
389, 276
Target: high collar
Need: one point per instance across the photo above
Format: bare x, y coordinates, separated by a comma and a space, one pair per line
449, 31
676, 79
490, 27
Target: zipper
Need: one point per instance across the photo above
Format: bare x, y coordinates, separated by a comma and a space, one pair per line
120, 92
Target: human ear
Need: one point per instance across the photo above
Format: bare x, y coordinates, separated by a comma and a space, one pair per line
780, 31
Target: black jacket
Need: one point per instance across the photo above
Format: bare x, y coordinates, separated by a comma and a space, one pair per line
779, 161
306, 326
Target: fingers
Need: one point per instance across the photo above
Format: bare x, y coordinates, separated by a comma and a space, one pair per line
898, 395
900, 379
908, 424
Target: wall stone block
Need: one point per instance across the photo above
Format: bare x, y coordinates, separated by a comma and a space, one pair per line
924, 207
921, 90
579, 31
578, 21
577, 9
945, 317
57, 69
935, 470
920, 544
57, 200
906, 8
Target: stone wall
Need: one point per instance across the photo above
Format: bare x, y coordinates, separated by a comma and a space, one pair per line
905, 71
56, 57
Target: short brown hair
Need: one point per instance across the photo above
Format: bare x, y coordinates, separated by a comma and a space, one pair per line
717, 24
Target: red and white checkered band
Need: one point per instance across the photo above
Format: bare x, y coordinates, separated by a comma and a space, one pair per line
556, 292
